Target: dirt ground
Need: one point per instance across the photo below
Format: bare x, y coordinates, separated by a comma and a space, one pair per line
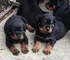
61, 50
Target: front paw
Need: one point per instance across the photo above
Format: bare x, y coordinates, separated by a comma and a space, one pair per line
47, 50
14, 50
24, 48
25, 51
36, 47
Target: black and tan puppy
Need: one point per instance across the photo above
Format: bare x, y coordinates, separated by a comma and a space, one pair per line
15, 29
49, 31
61, 10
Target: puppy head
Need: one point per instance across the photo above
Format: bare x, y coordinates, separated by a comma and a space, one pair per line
46, 23
17, 31
50, 6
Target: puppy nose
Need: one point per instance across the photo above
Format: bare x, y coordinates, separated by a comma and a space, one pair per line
18, 35
48, 28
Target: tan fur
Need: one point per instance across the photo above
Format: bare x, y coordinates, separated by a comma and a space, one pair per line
15, 37
24, 48
36, 47
47, 49
29, 27
14, 50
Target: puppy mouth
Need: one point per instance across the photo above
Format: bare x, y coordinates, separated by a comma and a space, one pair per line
45, 30
17, 37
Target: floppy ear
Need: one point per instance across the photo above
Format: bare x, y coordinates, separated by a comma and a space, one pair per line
10, 29
39, 18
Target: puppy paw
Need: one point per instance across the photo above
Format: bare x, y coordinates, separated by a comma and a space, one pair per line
36, 47
24, 48
47, 50
14, 51
25, 51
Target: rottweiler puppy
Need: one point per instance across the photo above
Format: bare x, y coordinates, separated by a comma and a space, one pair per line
49, 31
61, 10
15, 29
30, 9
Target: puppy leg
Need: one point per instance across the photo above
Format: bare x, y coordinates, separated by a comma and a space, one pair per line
12, 48
36, 47
24, 45
30, 28
24, 48
47, 49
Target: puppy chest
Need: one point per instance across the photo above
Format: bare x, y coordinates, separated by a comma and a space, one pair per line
44, 37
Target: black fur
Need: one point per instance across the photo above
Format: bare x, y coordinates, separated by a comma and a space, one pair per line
62, 12
30, 9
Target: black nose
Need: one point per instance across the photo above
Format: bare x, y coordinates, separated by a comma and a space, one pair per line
48, 28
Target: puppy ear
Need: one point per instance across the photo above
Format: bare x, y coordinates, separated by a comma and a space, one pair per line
24, 25
39, 18
10, 29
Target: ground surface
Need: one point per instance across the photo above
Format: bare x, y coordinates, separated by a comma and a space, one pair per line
61, 50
